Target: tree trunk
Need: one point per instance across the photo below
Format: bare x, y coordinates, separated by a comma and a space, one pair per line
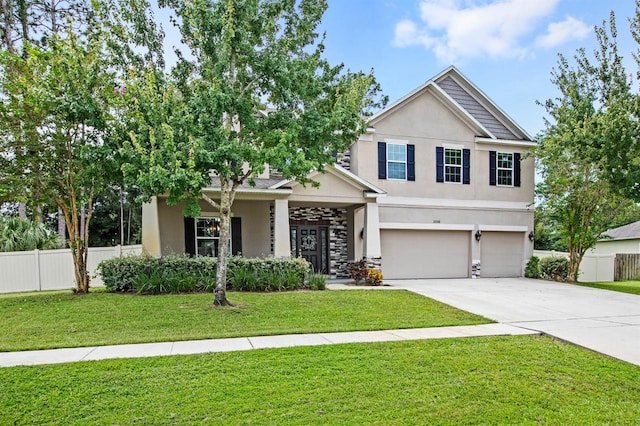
79, 253
22, 211
220, 292
62, 229
6, 8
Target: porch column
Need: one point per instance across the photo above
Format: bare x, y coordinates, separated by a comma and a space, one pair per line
151, 228
281, 233
372, 248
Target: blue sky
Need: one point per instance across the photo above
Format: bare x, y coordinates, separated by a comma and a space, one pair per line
506, 47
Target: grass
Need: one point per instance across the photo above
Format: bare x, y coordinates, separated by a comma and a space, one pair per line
42, 321
631, 287
488, 380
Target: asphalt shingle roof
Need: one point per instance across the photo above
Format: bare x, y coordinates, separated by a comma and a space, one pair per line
631, 230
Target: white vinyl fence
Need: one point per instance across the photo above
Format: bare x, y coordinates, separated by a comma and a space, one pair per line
594, 267
52, 269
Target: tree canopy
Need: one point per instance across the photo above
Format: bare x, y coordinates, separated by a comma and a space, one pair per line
588, 153
252, 90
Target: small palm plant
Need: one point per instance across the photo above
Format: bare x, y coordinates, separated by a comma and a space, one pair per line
23, 235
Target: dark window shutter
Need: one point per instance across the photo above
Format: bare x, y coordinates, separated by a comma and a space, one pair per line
382, 160
466, 166
516, 169
190, 236
236, 236
493, 168
411, 162
439, 164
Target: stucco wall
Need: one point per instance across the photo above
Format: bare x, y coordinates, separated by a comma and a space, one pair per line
426, 122
255, 226
415, 214
616, 246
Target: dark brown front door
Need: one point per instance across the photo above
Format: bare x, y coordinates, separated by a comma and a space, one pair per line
312, 244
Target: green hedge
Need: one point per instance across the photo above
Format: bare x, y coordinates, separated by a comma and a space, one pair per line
554, 268
532, 270
180, 273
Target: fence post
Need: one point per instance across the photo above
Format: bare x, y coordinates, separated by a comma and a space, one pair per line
36, 254
118, 250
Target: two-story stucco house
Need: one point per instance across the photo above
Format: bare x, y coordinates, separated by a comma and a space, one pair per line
438, 187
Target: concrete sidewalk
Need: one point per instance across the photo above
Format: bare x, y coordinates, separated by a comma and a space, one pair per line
57, 356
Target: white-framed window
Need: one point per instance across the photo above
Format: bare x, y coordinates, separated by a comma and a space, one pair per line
504, 169
207, 236
453, 165
396, 161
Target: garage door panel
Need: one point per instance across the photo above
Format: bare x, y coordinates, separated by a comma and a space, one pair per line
425, 254
501, 254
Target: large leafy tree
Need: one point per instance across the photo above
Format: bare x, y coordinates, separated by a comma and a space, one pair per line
55, 114
253, 89
583, 154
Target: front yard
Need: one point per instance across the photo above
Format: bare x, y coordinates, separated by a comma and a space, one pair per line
487, 380
55, 320
631, 287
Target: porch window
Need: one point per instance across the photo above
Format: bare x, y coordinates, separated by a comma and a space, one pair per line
207, 236
202, 236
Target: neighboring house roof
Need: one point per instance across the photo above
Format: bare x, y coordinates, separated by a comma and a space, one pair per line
626, 232
471, 104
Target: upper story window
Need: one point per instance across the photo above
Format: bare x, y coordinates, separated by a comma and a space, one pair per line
504, 168
453, 165
396, 161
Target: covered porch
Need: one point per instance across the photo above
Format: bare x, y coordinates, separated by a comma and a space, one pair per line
329, 225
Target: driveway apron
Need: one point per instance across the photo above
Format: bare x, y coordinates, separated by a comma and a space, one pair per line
601, 320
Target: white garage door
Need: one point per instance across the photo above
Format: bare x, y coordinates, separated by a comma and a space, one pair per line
425, 254
501, 254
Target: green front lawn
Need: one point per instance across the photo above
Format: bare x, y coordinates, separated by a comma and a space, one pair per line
488, 380
632, 287
54, 320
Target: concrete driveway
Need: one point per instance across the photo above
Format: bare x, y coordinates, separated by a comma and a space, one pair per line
604, 321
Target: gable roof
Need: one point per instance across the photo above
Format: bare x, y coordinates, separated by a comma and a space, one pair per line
625, 232
469, 103
343, 174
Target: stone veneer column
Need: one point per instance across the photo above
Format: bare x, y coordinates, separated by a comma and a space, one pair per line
372, 249
281, 234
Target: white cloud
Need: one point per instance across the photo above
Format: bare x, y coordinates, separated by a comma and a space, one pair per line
459, 29
561, 32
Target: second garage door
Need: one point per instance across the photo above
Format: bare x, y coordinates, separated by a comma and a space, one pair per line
425, 254
501, 254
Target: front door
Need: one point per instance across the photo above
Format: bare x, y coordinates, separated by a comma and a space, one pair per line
311, 242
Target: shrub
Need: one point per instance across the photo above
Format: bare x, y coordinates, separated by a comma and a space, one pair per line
554, 268
316, 281
359, 270
532, 270
180, 274
374, 277
120, 273
269, 274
